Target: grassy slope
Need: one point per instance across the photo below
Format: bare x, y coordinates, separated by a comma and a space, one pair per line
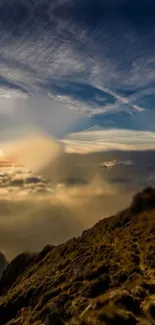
109, 270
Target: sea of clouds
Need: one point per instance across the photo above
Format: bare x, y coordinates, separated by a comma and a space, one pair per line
65, 192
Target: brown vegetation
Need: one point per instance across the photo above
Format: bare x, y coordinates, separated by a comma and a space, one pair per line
106, 276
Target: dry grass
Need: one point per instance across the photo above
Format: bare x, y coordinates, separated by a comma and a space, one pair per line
110, 269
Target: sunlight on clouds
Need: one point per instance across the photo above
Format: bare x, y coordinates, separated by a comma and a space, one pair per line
30, 221
48, 157
110, 139
71, 191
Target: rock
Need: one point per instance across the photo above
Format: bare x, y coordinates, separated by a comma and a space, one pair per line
40, 256
3, 263
96, 288
54, 319
14, 269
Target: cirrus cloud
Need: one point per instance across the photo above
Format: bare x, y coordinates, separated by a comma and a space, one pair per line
109, 139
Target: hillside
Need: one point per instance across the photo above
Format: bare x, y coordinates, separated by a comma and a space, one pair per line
106, 276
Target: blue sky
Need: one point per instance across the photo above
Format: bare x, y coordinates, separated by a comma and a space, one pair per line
92, 62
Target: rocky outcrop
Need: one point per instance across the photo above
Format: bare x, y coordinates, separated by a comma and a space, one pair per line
3, 263
14, 270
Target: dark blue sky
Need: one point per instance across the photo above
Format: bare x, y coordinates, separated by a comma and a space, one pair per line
96, 57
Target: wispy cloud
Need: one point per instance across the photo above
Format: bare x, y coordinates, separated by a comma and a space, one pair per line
93, 44
111, 139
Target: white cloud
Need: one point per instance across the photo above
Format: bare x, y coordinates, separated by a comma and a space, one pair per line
112, 163
11, 93
111, 139
111, 56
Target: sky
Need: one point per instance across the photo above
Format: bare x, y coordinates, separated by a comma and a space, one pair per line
77, 96
92, 61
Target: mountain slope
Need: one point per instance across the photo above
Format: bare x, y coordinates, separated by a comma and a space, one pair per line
3, 263
106, 276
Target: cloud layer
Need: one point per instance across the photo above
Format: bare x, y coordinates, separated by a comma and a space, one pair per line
73, 191
33, 215
109, 139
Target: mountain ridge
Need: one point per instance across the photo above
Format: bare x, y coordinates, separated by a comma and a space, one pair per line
105, 276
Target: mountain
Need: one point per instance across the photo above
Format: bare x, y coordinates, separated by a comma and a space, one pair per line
3, 263
105, 276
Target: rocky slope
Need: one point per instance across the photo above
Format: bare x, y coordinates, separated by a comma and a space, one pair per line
3, 263
106, 276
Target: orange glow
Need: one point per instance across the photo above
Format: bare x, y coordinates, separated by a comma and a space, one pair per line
9, 163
